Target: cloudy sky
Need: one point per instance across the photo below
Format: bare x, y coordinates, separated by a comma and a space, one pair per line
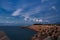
27, 12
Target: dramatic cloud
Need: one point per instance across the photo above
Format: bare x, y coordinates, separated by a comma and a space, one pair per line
17, 12
26, 18
37, 20
53, 7
33, 19
43, 0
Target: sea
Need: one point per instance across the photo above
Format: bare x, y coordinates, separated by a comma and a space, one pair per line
17, 33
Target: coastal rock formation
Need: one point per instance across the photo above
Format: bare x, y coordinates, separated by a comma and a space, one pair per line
45, 32
3, 36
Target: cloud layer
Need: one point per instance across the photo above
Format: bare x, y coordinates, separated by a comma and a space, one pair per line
29, 11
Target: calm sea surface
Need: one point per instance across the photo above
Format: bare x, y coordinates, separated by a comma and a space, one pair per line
17, 33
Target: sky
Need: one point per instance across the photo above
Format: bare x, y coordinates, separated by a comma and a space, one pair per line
27, 12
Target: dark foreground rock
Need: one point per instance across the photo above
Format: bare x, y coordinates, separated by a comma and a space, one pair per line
3, 36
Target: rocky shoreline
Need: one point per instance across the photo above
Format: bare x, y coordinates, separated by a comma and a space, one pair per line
3, 36
45, 32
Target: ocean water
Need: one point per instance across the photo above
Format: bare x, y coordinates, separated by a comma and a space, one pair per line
17, 33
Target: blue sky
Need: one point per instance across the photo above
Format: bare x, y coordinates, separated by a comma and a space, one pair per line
26, 12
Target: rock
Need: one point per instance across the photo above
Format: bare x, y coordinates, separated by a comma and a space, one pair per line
3, 36
58, 37
45, 32
48, 38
